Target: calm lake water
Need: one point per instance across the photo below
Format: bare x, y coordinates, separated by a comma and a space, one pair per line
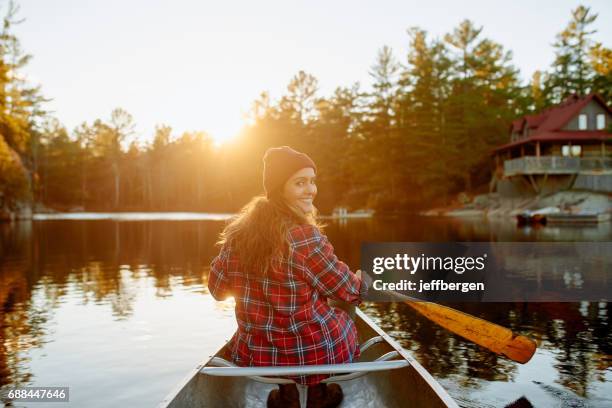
117, 309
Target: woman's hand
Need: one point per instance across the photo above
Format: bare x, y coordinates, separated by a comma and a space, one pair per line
366, 282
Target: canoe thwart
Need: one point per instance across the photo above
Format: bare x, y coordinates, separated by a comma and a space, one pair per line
357, 374
220, 362
217, 361
368, 366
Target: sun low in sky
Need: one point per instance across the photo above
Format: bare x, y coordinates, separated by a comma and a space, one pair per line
198, 66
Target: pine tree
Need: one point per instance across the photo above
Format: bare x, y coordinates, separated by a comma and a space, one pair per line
298, 104
85, 137
378, 133
330, 134
422, 117
481, 103
121, 127
158, 174
571, 71
59, 166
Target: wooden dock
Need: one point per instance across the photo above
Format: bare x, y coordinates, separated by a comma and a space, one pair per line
579, 218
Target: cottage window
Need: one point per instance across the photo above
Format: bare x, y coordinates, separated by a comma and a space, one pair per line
565, 150
571, 150
601, 121
582, 121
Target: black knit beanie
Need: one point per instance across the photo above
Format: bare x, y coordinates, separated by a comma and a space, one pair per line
280, 163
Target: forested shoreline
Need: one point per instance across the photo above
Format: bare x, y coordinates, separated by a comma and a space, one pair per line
420, 135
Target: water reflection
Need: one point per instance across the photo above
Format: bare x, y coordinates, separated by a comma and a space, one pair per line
99, 261
119, 271
576, 335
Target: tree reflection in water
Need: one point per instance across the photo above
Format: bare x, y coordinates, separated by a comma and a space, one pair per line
108, 263
101, 261
577, 334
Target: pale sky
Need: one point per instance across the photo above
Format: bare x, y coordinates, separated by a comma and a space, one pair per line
199, 65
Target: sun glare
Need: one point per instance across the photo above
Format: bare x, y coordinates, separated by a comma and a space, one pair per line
220, 140
224, 128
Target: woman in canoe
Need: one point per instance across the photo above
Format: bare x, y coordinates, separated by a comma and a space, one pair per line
281, 269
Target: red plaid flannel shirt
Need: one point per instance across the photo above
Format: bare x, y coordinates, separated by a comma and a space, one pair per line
283, 317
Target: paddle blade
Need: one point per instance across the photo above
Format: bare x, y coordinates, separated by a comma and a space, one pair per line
520, 349
494, 337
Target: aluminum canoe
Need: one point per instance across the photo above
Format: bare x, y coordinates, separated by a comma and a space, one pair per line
386, 375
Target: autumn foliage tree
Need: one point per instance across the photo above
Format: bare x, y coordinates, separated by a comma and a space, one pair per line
20, 111
418, 135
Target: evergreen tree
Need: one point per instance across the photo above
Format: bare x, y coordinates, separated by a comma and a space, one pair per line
571, 71
121, 127
329, 135
59, 166
380, 142
85, 137
298, 104
422, 114
481, 103
158, 175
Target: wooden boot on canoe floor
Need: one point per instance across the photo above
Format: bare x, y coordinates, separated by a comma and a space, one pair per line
324, 396
286, 396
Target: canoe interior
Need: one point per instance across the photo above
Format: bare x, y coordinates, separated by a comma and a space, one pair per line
411, 386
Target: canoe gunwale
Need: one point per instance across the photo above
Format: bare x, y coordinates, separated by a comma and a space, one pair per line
183, 383
427, 377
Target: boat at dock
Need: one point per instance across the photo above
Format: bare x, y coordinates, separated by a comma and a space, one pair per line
539, 216
343, 213
386, 375
579, 218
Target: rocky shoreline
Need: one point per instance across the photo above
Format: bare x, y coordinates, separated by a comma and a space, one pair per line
481, 206
494, 206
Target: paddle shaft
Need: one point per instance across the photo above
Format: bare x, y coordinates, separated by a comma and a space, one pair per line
489, 335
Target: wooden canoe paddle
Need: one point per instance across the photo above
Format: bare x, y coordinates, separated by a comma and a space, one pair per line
494, 337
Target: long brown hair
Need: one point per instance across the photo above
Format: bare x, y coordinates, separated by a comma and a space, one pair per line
258, 233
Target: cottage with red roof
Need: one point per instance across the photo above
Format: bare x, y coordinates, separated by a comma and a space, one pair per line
567, 146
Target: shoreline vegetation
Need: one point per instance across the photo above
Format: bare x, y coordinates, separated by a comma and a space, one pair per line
482, 206
422, 134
